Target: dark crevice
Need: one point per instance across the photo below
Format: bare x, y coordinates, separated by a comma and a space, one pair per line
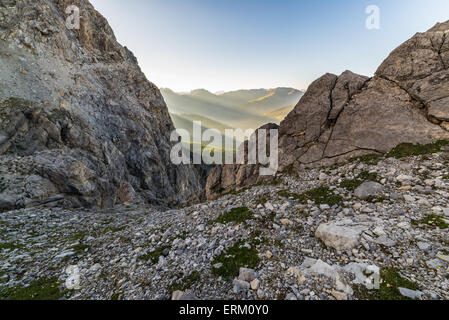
424, 105
331, 105
441, 48
333, 122
330, 124
412, 96
345, 153
438, 50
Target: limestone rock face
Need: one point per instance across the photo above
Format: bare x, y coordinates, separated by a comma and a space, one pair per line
224, 178
79, 121
346, 116
420, 67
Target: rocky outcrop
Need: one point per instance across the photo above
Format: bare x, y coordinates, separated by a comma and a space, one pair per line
350, 115
79, 122
225, 178
346, 116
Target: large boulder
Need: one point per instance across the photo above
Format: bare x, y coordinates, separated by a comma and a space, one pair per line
341, 235
368, 189
78, 117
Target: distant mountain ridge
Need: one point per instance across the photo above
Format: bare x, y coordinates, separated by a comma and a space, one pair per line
237, 109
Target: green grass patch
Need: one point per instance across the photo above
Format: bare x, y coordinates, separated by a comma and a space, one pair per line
43, 289
116, 296
112, 229
79, 236
352, 184
185, 283
262, 200
233, 259
10, 245
80, 248
286, 194
238, 215
321, 195
432, 221
370, 159
390, 282
154, 255
256, 239
376, 199
409, 149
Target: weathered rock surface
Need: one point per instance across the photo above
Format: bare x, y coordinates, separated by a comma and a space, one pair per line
79, 121
368, 189
341, 235
346, 116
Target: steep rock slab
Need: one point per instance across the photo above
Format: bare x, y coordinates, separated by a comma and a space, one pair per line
78, 118
420, 67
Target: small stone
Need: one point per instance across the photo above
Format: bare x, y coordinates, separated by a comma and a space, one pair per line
255, 284
286, 222
368, 189
423, 246
446, 212
182, 296
385, 241
339, 295
424, 202
443, 257
240, 285
247, 275
404, 178
65, 255
268, 254
293, 271
340, 237
379, 231
409, 198
434, 264
412, 294
291, 296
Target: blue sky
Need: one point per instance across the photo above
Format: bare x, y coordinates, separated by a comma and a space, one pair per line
243, 44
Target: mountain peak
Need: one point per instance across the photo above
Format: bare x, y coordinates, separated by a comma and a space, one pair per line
201, 92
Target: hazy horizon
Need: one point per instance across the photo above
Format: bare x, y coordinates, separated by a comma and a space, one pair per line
221, 92
184, 45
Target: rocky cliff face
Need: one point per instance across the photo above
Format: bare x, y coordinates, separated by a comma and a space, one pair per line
341, 117
79, 121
